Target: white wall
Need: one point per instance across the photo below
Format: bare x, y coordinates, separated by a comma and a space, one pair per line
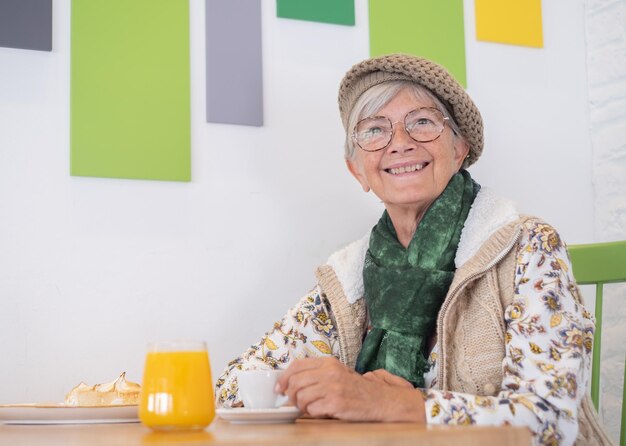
606, 55
92, 269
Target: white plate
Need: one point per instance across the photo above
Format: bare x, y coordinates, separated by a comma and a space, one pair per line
241, 415
62, 414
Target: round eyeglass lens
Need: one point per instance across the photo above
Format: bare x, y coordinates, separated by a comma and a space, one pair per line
373, 134
424, 124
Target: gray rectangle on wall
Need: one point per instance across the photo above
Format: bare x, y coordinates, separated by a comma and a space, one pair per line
234, 65
26, 24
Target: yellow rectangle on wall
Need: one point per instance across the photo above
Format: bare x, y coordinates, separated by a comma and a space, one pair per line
516, 22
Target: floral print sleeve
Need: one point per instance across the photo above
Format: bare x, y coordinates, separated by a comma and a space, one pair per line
306, 330
549, 335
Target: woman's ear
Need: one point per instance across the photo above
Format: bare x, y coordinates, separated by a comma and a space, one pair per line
355, 169
461, 150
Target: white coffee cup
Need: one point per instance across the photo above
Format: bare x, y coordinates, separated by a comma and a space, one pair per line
256, 388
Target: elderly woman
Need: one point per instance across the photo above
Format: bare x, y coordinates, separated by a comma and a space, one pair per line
454, 309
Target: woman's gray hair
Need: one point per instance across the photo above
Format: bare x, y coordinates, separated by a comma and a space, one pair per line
375, 98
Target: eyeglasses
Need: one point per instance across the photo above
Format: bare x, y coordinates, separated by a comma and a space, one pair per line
422, 125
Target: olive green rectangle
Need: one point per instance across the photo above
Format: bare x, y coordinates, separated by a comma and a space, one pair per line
130, 100
340, 12
433, 29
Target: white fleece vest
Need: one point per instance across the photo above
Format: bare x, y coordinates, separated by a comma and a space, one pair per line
488, 213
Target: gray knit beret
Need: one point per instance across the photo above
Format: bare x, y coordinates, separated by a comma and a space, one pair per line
434, 77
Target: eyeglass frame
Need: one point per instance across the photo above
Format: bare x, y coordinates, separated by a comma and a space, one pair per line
403, 120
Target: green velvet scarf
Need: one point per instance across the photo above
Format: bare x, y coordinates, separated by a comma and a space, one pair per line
405, 287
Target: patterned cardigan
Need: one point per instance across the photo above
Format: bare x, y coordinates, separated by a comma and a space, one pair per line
525, 355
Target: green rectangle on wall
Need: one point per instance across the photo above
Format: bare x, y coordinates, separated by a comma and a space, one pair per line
433, 29
130, 104
340, 12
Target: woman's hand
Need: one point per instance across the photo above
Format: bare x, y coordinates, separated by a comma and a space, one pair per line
382, 375
324, 387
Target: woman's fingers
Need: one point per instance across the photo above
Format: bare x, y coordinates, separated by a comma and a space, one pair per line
304, 397
295, 367
323, 387
326, 365
310, 380
300, 381
322, 394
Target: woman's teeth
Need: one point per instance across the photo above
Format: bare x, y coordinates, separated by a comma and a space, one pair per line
405, 169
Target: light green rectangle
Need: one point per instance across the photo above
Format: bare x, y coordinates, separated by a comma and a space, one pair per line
130, 104
432, 29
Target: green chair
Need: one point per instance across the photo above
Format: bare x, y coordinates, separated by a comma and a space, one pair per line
597, 264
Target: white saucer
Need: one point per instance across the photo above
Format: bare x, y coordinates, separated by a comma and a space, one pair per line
241, 415
53, 413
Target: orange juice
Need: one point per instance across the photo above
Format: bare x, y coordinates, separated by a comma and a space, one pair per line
177, 392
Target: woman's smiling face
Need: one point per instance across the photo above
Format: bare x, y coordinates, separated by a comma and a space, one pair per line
408, 173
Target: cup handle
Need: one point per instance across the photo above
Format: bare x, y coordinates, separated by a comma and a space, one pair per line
281, 400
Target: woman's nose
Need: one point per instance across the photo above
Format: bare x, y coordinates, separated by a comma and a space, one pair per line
401, 141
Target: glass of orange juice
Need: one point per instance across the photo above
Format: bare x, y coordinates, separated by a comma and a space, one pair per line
177, 392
